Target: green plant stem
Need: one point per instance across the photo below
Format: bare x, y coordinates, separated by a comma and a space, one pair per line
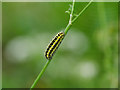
71, 14
40, 74
66, 30
107, 60
72, 21
82, 11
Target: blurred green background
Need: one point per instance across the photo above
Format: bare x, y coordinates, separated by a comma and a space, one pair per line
87, 58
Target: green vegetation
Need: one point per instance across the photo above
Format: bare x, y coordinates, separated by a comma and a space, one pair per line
87, 58
71, 21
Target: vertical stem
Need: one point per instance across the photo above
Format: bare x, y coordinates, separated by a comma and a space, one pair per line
71, 15
70, 20
107, 48
101, 14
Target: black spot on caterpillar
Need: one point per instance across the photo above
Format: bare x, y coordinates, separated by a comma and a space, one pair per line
53, 45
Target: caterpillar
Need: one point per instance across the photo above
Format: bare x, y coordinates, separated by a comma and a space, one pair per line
53, 45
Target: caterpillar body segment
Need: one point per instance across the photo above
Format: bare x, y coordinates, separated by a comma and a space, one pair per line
53, 45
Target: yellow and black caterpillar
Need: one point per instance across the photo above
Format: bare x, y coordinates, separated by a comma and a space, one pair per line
53, 45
